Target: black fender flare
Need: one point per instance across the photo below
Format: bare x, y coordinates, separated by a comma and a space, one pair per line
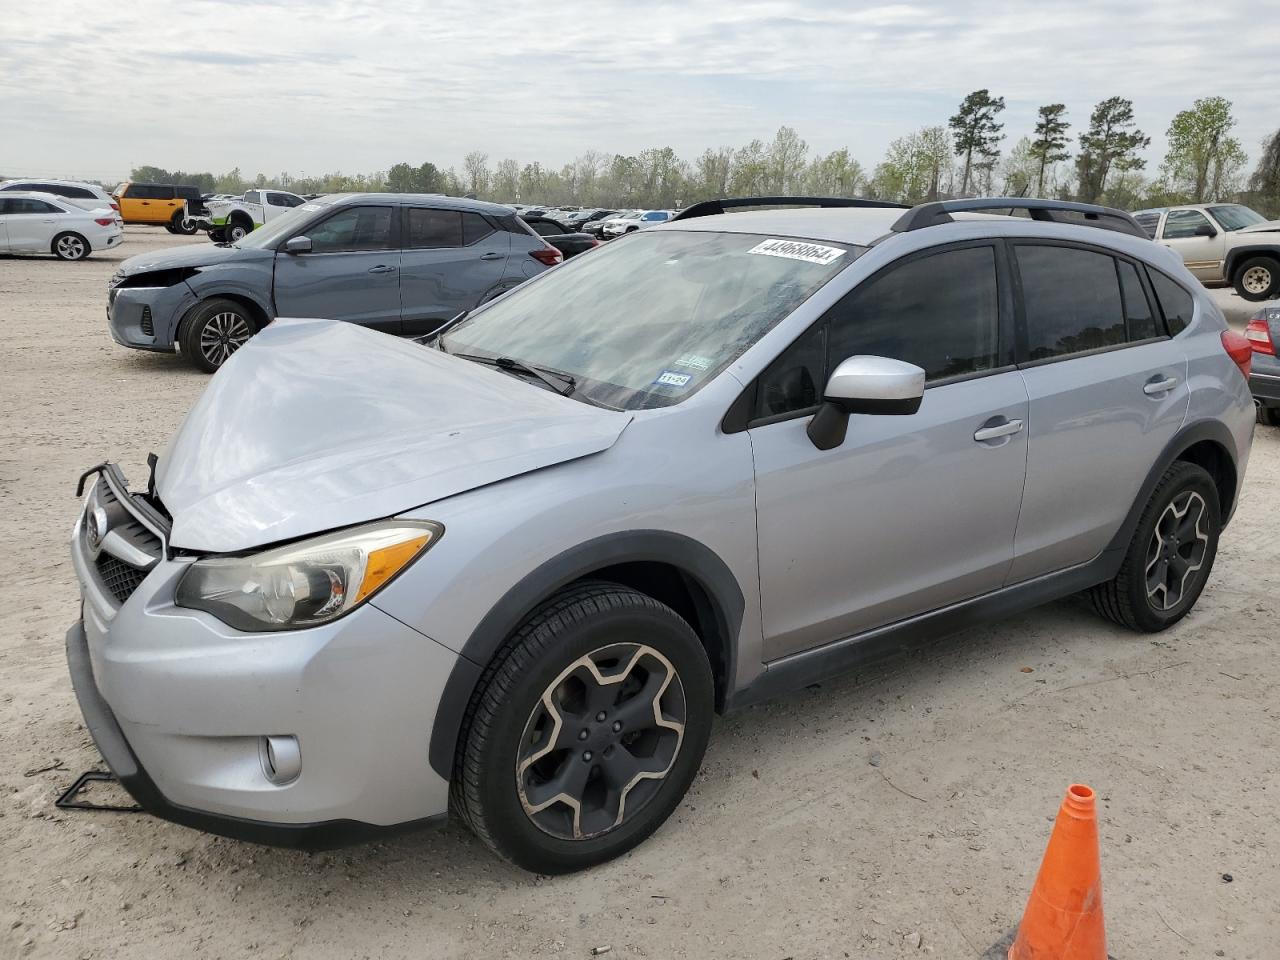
1183, 440
695, 560
1236, 254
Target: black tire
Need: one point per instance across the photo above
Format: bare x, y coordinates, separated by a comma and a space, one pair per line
180, 224
237, 229
70, 246
214, 330
218, 235
501, 757
1258, 278
1268, 416
1128, 599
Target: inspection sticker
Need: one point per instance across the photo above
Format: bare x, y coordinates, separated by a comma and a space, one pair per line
692, 361
797, 250
669, 378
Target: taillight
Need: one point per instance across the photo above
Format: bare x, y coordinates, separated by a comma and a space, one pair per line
104, 221
548, 255
1240, 349
115, 207
1259, 336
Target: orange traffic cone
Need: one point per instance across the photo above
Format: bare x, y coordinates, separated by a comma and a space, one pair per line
1063, 920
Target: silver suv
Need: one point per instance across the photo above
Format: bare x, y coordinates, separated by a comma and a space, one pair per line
516, 570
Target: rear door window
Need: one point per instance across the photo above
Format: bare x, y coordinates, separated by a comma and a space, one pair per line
474, 228
1072, 301
353, 229
1139, 320
433, 229
252, 196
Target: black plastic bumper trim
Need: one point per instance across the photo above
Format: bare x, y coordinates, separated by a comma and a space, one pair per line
1265, 388
115, 750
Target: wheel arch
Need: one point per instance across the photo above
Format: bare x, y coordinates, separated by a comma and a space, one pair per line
670, 567
1237, 254
1206, 443
257, 312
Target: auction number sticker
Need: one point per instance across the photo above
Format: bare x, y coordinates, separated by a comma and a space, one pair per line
797, 250
669, 378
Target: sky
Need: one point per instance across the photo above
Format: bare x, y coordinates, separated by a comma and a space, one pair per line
93, 88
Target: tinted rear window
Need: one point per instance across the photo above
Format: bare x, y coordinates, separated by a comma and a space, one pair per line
1175, 303
1072, 300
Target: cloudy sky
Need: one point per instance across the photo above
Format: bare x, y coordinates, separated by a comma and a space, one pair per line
92, 88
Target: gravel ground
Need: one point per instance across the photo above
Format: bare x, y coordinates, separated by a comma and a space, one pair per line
894, 813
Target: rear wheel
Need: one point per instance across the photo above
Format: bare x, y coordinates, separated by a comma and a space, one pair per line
1170, 555
237, 230
218, 236
1268, 416
585, 731
1258, 278
213, 331
70, 246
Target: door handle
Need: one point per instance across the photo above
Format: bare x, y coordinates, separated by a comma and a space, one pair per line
994, 431
1159, 385
492, 256
382, 268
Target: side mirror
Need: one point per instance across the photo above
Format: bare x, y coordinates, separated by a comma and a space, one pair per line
1206, 230
298, 245
868, 385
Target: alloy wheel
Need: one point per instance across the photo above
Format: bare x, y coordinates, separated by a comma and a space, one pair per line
1256, 280
236, 233
1178, 547
70, 248
223, 335
600, 741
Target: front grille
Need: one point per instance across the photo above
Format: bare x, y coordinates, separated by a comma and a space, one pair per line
118, 577
147, 326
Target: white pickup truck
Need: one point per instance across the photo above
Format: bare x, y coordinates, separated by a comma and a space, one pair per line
229, 220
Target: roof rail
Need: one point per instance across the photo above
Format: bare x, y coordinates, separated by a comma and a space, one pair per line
710, 208
1090, 215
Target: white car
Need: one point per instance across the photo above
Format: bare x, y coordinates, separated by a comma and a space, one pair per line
632, 222
87, 196
34, 222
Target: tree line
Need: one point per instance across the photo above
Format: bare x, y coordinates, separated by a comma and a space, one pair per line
966, 156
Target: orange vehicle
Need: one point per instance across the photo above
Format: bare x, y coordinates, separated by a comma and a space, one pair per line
159, 204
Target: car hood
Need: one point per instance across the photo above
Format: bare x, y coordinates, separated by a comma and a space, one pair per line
1269, 227
193, 255
320, 424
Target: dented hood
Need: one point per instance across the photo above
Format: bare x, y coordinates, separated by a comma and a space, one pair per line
319, 424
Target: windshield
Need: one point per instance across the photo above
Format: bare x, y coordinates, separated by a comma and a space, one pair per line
280, 227
646, 321
1232, 216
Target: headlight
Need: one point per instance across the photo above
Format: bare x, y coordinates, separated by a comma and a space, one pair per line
305, 583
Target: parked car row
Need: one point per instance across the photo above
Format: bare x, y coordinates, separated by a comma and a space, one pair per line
400, 263
39, 222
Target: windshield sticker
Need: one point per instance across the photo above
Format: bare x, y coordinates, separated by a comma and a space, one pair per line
669, 378
798, 250
691, 361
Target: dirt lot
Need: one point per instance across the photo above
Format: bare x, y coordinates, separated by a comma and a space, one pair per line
838, 822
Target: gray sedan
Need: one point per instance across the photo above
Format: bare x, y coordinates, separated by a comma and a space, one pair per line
400, 263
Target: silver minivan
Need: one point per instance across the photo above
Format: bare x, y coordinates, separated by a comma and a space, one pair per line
514, 571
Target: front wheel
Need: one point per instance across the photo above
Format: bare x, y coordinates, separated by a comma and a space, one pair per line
213, 331
585, 731
181, 225
1170, 555
1258, 278
70, 246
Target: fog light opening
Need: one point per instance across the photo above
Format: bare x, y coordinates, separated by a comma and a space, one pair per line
281, 759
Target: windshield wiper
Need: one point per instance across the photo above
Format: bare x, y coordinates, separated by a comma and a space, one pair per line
562, 383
